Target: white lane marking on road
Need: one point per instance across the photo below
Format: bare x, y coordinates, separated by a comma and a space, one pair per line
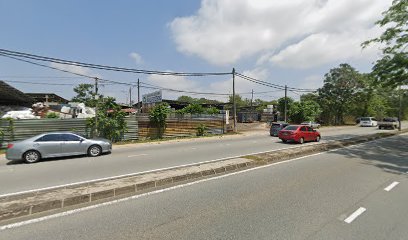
193, 148
354, 215
138, 173
57, 215
137, 155
391, 186
179, 166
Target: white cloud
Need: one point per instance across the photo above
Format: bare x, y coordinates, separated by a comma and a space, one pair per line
322, 48
173, 82
226, 31
311, 82
136, 57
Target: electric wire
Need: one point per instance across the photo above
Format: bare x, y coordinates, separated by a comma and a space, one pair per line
5, 52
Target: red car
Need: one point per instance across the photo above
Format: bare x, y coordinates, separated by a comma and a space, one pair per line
299, 134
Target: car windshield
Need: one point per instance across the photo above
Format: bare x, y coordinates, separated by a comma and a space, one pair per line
291, 128
365, 119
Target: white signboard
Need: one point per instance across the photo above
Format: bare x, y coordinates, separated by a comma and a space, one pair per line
152, 97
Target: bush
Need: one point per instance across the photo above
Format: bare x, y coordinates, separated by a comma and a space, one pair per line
111, 122
52, 115
158, 116
201, 130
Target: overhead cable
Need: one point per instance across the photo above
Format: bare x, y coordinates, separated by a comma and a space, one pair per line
6, 52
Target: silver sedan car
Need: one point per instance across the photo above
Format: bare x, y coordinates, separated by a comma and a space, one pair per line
56, 144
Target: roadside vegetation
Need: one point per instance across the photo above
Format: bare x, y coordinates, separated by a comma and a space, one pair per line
110, 120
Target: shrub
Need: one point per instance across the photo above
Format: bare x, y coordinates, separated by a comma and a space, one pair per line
52, 115
158, 116
201, 130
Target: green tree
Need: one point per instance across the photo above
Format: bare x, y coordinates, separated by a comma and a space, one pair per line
339, 91
259, 105
212, 110
189, 99
391, 69
111, 122
158, 115
192, 108
186, 99
85, 94
309, 97
239, 101
281, 105
304, 111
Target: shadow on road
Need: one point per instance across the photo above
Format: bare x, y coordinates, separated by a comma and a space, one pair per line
16, 162
390, 154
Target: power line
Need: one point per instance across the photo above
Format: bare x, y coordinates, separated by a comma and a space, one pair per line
46, 66
184, 91
272, 85
5, 52
39, 77
39, 83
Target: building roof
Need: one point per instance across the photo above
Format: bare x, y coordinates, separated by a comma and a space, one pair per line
12, 96
52, 97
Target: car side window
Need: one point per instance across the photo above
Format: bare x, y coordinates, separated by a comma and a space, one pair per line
303, 129
70, 137
310, 129
49, 138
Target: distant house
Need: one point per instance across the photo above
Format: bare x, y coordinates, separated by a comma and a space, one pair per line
50, 99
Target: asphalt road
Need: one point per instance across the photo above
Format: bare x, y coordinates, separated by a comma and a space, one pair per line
354, 193
17, 176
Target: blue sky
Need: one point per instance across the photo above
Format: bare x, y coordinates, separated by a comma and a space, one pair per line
291, 43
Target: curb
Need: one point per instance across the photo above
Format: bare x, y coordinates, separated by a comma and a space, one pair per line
26, 204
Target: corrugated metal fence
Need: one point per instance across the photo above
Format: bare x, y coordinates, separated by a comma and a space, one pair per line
139, 126
25, 128
182, 125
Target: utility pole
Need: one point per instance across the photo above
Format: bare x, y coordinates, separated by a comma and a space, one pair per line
286, 103
138, 94
400, 109
96, 97
234, 107
252, 99
130, 96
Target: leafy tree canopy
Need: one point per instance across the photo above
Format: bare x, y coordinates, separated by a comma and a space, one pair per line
340, 89
392, 68
111, 122
85, 94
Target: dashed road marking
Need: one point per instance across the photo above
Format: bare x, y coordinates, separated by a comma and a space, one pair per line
138, 155
391, 186
354, 215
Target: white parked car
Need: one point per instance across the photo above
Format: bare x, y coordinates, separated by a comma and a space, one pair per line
311, 124
368, 122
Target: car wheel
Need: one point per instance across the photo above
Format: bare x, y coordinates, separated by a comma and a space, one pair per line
301, 140
94, 151
318, 139
379, 127
31, 156
283, 140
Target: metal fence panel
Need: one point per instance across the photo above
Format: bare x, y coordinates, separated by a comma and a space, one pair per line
25, 128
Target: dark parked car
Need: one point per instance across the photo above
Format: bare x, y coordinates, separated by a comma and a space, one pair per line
388, 123
299, 133
276, 127
56, 144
